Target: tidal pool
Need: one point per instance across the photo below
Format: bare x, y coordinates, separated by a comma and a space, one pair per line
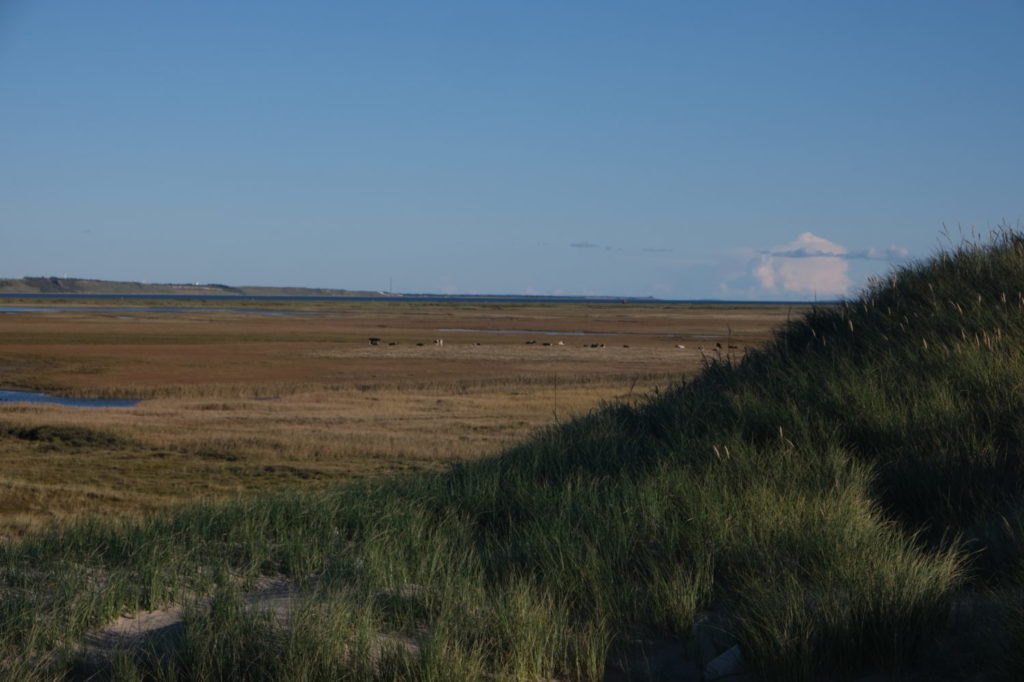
34, 397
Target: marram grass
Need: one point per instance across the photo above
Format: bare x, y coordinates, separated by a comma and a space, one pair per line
833, 500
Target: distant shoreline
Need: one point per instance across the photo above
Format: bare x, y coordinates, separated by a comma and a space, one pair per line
408, 298
50, 288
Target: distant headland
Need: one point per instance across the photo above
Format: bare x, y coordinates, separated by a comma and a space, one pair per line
74, 285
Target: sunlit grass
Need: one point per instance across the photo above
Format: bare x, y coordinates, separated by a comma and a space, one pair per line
832, 505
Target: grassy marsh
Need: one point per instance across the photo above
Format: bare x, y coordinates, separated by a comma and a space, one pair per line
843, 502
239, 402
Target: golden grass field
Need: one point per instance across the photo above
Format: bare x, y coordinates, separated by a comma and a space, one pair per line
235, 402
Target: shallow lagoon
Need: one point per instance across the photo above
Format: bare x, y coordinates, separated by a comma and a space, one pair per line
8, 396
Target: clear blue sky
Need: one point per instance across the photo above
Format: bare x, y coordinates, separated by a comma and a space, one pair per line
780, 150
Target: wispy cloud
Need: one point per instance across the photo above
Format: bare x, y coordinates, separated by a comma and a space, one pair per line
893, 253
810, 245
617, 249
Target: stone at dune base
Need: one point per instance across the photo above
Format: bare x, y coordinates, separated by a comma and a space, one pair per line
681, 670
709, 637
650, 661
726, 666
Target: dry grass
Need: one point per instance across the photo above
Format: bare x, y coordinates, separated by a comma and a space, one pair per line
234, 403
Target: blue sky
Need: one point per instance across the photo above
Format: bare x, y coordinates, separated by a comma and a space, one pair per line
735, 150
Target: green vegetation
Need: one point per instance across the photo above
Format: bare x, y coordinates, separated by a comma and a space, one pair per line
843, 502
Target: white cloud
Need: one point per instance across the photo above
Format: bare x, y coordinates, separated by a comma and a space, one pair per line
807, 265
891, 253
765, 272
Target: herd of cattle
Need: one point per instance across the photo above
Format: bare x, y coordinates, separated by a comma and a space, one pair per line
376, 341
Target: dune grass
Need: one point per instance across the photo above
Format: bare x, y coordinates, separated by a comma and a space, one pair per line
831, 503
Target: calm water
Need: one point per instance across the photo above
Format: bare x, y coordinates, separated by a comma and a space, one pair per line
33, 397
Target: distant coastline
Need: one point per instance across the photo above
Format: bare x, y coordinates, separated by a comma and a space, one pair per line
77, 286
95, 289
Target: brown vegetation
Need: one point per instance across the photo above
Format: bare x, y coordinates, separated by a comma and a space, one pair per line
235, 402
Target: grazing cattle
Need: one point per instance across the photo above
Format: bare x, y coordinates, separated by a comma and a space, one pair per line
438, 342
392, 343
625, 345
546, 343
680, 346
374, 341
530, 342
419, 344
561, 343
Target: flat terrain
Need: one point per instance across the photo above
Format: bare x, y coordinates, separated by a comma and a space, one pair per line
235, 401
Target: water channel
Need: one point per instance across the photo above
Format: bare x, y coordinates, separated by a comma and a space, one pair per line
8, 396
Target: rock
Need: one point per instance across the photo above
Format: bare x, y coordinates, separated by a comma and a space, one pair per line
727, 664
681, 670
651, 660
709, 637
